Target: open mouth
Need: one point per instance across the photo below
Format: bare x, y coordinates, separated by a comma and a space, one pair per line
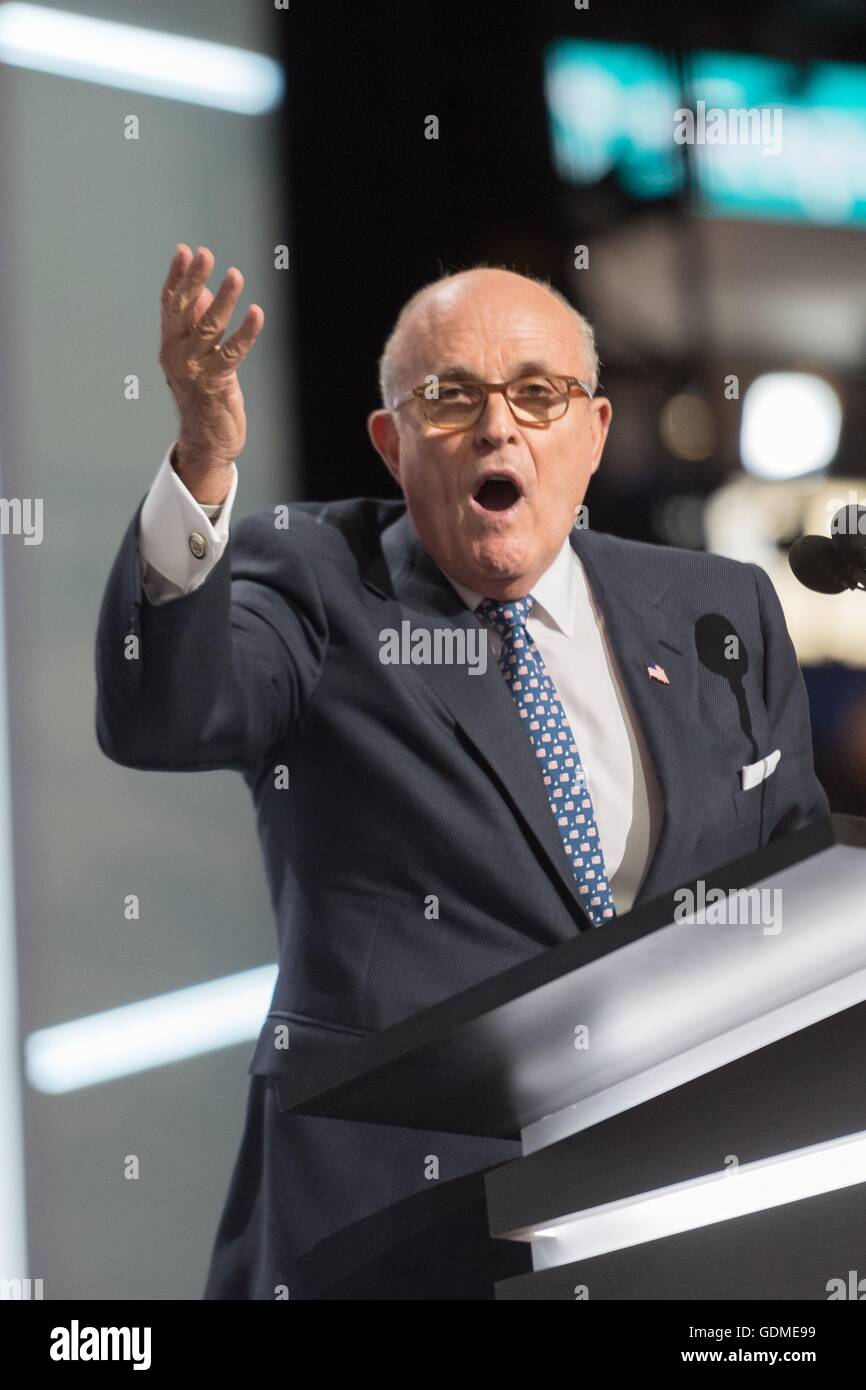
497, 494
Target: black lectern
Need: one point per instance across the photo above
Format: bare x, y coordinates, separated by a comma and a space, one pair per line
689, 1085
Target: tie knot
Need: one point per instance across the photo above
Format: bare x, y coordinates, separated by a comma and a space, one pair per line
507, 617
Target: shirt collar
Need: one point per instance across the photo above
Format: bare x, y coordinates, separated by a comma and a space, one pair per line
555, 592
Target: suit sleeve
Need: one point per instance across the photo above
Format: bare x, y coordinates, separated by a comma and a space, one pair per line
215, 678
795, 797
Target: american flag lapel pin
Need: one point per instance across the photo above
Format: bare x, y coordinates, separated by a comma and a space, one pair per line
658, 673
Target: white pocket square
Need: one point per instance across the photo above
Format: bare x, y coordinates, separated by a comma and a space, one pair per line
754, 773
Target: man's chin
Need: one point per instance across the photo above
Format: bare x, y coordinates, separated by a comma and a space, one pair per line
487, 561
502, 557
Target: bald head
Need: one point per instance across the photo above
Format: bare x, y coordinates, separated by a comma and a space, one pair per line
471, 294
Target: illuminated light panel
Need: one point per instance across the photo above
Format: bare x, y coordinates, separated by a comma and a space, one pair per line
704, 1201
139, 60
150, 1033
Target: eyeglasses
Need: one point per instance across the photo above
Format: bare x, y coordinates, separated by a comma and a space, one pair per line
533, 400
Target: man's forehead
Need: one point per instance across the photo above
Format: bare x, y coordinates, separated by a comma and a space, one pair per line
449, 329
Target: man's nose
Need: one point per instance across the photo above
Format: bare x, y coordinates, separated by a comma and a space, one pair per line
496, 425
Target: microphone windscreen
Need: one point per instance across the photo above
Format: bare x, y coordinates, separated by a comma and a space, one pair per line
848, 534
816, 563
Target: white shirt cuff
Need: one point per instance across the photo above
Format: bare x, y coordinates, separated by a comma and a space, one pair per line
177, 536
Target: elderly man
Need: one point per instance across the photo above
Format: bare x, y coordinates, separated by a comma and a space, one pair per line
426, 824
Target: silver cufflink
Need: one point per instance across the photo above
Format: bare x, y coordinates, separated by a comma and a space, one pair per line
198, 545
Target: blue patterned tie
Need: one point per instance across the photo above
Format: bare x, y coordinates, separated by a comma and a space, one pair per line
539, 705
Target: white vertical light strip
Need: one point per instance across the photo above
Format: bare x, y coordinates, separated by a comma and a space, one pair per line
13, 1232
139, 60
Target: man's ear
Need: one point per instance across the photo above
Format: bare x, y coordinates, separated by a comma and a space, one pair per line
386, 441
602, 413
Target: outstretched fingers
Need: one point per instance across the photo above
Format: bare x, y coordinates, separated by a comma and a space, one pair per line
213, 316
234, 349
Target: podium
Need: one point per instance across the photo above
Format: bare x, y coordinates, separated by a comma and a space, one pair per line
688, 1084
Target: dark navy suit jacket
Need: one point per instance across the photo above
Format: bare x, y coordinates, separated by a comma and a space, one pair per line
405, 782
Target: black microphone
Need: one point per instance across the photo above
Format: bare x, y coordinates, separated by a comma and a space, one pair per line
713, 633
831, 566
818, 565
848, 535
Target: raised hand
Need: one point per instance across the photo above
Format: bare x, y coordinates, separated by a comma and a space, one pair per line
201, 371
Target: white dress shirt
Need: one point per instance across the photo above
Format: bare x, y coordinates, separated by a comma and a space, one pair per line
180, 541
169, 519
